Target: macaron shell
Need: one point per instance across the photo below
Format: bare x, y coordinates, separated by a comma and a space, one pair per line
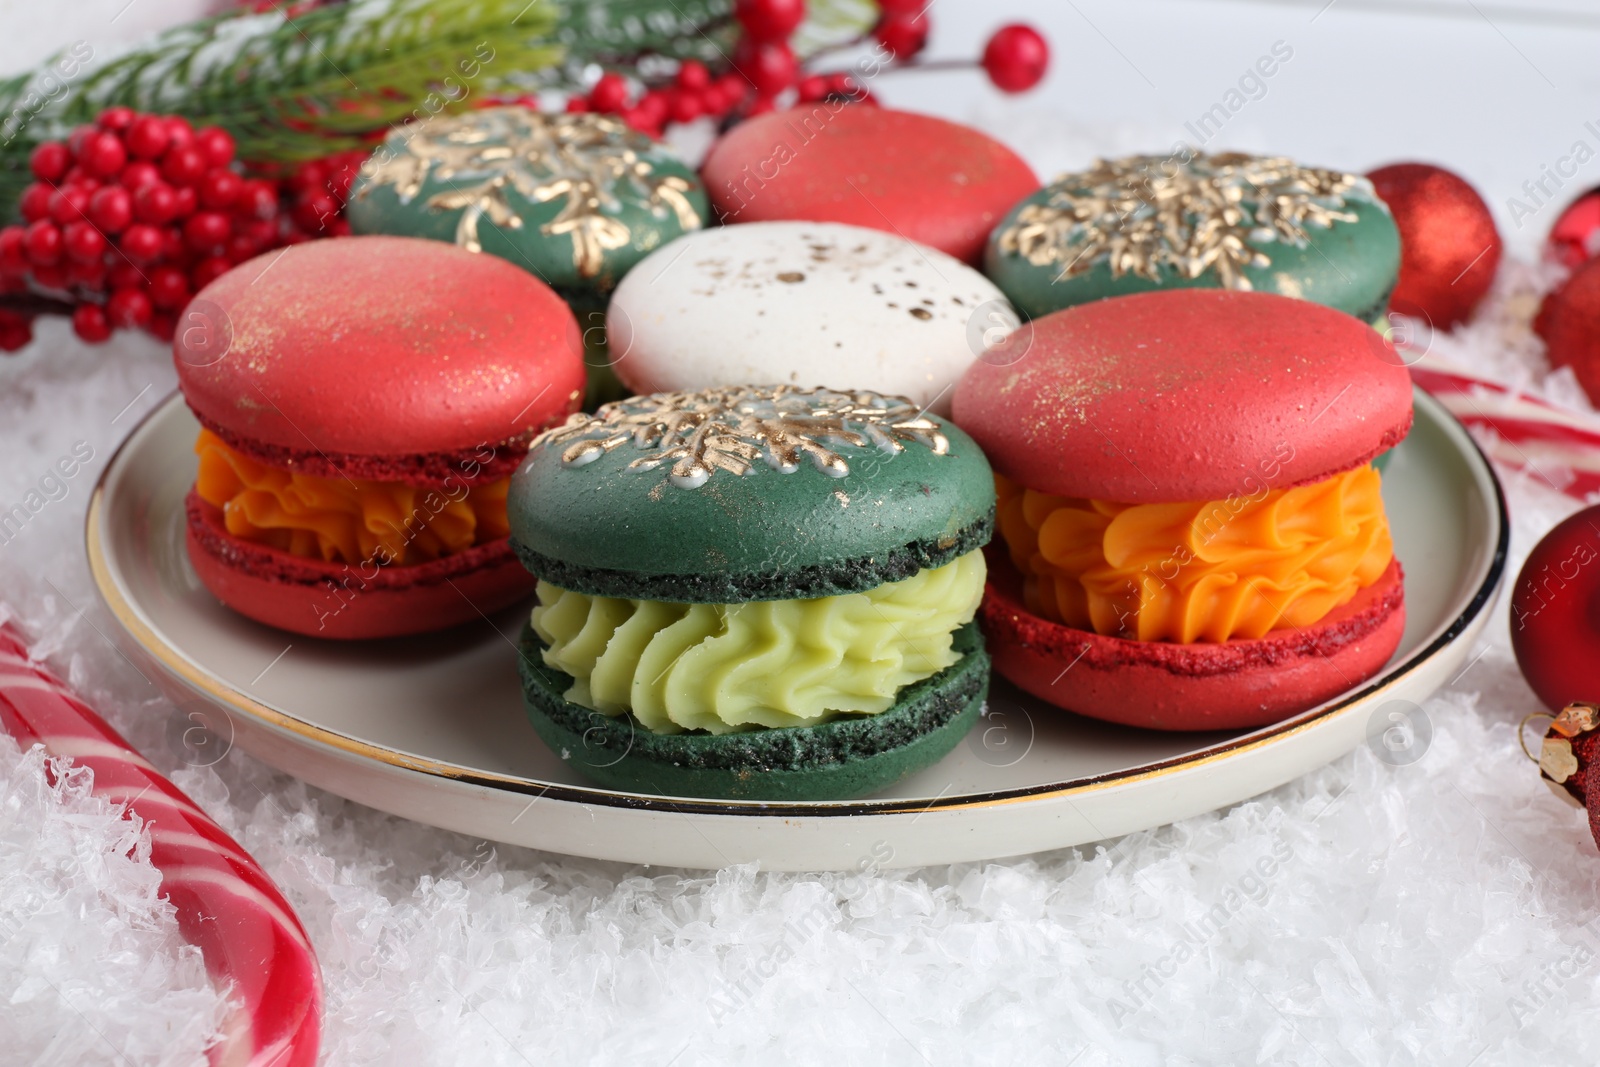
802, 303
379, 346
339, 602
925, 179
1186, 394
751, 536
1350, 266
1231, 686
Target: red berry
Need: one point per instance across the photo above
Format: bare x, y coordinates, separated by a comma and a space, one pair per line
257, 199
49, 275
148, 137
179, 133
187, 202
215, 144
116, 119
82, 242
220, 188
339, 228
77, 138
16, 330
42, 243
163, 324
173, 247
91, 275
13, 257
685, 106
310, 177
49, 161
653, 108
138, 174
339, 181
313, 211
183, 166
577, 105
141, 243
90, 323
263, 233
240, 247
903, 7
814, 87
35, 202
609, 94
731, 88
903, 34
128, 307
169, 288
769, 21
771, 68
206, 231
209, 270
124, 275
68, 204
156, 203
694, 76
1016, 58
111, 208
102, 155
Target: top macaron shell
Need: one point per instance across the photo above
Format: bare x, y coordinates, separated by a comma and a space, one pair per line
803, 303
378, 346
608, 527
576, 199
1350, 264
931, 181
1186, 394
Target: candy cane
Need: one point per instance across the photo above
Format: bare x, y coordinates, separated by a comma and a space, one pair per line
251, 940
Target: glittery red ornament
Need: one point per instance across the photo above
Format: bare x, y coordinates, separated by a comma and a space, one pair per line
1567, 758
1569, 322
1449, 248
1575, 238
1555, 612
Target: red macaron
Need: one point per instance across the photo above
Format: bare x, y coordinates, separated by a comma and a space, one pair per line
353, 391
1170, 437
930, 181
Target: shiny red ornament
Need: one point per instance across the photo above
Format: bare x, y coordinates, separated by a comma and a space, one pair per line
1575, 237
1555, 612
1016, 58
1569, 322
1449, 247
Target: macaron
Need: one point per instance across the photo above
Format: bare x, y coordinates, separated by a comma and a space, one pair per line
1191, 531
575, 199
754, 592
803, 303
363, 403
925, 179
1227, 221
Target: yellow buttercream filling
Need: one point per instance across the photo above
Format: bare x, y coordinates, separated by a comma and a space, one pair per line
346, 520
1198, 571
726, 667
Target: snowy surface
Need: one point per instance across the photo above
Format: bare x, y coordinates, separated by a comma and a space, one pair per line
1439, 912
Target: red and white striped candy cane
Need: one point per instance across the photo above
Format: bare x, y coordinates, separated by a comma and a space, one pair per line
251, 940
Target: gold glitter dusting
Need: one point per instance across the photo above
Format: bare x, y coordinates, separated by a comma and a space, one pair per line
578, 158
728, 429
1215, 212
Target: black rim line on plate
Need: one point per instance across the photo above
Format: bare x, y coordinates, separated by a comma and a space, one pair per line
830, 809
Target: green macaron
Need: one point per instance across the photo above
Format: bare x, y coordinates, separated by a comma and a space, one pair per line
1229, 221
576, 199
760, 593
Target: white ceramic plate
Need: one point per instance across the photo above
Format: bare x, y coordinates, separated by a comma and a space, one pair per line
432, 728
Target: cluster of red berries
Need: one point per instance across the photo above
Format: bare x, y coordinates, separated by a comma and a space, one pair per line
129, 217
765, 67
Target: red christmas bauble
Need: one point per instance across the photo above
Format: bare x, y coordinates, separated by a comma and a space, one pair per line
1569, 322
1575, 237
1555, 612
1449, 247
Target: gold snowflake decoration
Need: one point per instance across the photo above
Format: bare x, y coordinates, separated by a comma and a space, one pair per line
731, 428
578, 158
1213, 213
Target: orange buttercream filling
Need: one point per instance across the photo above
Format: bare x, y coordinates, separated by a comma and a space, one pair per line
1198, 571
346, 520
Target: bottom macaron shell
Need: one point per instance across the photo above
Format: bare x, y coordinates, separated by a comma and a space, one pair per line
343, 602
837, 760
1164, 686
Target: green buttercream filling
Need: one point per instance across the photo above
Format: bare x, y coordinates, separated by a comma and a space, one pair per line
765, 663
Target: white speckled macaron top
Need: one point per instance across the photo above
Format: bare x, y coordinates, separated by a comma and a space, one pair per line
803, 303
